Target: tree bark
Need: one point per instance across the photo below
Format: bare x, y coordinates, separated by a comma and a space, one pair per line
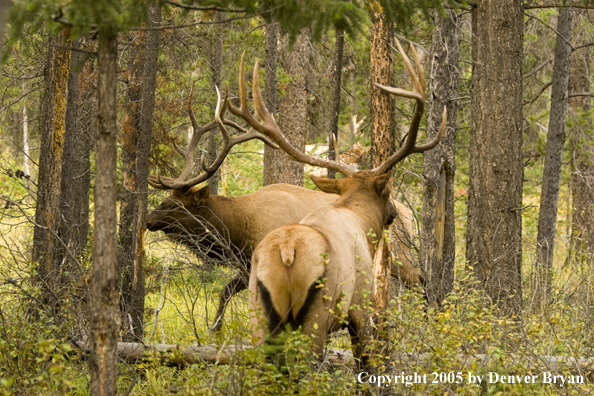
494, 232
551, 178
382, 112
438, 227
105, 315
217, 67
129, 138
136, 137
270, 94
292, 110
47, 214
581, 138
382, 132
336, 81
76, 168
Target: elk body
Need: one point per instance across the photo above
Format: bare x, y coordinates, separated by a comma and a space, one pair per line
318, 274
313, 274
241, 222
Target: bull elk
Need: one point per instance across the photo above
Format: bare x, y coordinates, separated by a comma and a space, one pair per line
240, 223
318, 274
222, 228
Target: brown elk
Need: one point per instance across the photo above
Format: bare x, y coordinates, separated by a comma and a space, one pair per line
227, 229
318, 274
237, 224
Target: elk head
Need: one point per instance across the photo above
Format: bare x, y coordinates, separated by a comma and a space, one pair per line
185, 215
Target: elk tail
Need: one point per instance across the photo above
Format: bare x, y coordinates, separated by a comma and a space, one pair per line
290, 272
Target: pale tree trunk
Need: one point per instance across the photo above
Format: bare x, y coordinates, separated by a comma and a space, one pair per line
494, 231
551, 177
216, 63
292, 110
270, 94
382, 131
105, 315
334, 113
25, 137
136, 137
47, 214
438, 228
581, 142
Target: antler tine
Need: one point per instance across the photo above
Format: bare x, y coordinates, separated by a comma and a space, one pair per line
228, 141
181, 182
271, 130
418, 93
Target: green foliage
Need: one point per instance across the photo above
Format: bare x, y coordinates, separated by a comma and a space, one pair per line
79, 15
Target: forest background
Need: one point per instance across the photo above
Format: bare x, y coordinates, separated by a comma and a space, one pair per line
94, 98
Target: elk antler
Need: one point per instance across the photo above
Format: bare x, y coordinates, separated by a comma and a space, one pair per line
269, 128
182, 182
418, 93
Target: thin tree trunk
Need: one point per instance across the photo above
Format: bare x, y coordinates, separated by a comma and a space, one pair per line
149, 84
292, 109
551, 177
270, 94
25, 137
581, 138
129, 137
47, 214
494, 232
438, 227
136, 135
336, 81
105, 315
382, 129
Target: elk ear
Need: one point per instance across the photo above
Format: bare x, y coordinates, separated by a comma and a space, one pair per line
330, 186
381, 183
200, 195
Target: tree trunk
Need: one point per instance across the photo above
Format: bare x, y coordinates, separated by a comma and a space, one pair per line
270, 94
494, 232
551, 177
336, 80
438, 227
382, 113
382, 130
76, 172
292, 110
47, 214
136, 137
581, 144
129, 137
217, 67
105, 316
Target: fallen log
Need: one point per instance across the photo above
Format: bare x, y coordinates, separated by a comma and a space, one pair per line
180, 355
